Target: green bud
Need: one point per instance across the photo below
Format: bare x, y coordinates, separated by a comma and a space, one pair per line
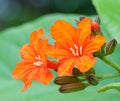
97, 19
92, 79
91, 71
81, 18
68, 88
102, 51
111, 46
76, 72
96, 33
65, 80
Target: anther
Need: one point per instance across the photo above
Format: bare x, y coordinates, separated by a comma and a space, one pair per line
76, 51
37, 57
81, 50
75, 46
38, 63
73, 51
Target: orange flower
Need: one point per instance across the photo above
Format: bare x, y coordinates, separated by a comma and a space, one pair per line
34, 64
75, 46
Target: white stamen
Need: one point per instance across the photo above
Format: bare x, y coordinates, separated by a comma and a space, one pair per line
75, 46
38, 57
77, 53
81, 50
73, 51
38, 63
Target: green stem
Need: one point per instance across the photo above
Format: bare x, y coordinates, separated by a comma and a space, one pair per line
111, 63
108, 76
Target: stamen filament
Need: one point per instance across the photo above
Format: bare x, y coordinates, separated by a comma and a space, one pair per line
81, 50
73, 51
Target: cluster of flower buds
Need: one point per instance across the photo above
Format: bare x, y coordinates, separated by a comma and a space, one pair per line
77, 81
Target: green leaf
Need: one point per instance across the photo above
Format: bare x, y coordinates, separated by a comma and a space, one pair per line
109, 13
11, 91
12, 39
115, 86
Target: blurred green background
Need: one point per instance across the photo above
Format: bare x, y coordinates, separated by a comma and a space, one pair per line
16, 12
18, 18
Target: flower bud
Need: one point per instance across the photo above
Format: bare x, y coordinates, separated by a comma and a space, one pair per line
111, 46
97, 19
91, 71
80, 18
95, 26
76, 72
68, 88
65, 80
92, 79
95, 32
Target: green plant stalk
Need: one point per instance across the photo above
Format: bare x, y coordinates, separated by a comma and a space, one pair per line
108, 76
109, 62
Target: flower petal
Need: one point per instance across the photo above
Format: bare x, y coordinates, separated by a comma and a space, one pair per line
62, 32
42, 46
66, 66
94, 44
84, 30
27, 84
36, 35
22, 69
43, 75
27, 79
18, 71
27, 52
59, 53
85, 63
30, 51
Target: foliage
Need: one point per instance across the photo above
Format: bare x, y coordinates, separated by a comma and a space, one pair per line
12, 39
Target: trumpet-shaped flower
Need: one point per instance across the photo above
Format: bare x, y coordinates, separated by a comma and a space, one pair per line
75, 46
34, 63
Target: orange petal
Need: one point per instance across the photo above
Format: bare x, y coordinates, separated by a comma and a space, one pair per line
36, 35
66, 67
26, 86
27, 79
27, 52
18, 71
94, 44
85, 63
62, 32
59, 53
43, 45
52, 64
43, 75
84, 30
22, 69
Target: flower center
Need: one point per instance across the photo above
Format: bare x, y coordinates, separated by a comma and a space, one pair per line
39, 61
76, 51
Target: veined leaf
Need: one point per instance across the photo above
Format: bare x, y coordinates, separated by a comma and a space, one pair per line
109, 13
